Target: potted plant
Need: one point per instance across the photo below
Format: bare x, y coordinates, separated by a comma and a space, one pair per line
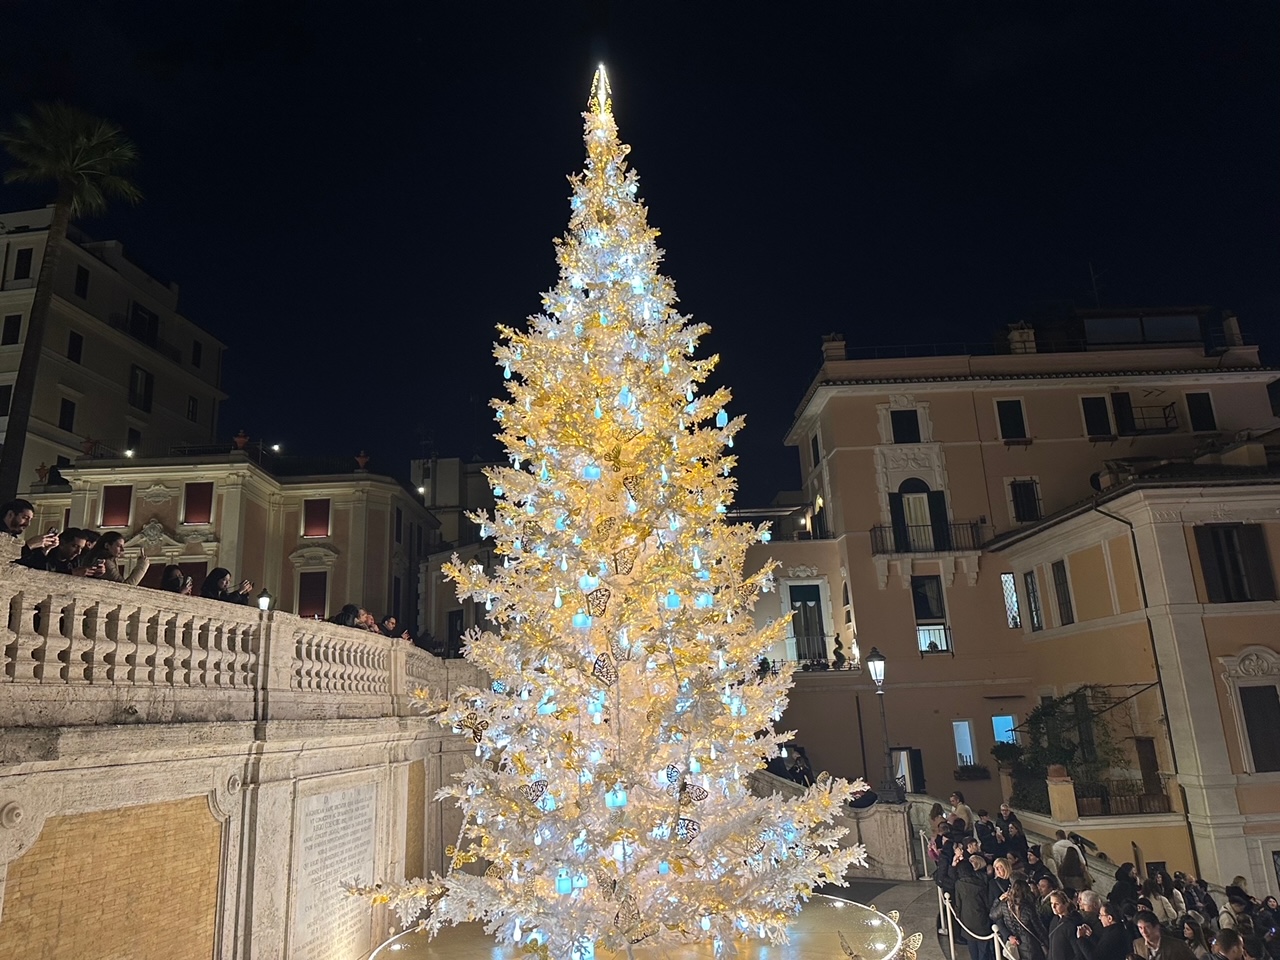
972, 771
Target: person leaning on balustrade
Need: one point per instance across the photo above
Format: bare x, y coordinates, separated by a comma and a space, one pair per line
61, 557
108, 553
217, 586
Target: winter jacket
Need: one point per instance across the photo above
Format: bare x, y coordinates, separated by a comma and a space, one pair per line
1022, 921
972, 901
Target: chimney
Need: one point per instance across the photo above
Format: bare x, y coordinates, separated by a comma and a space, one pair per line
1231, 330
1022, 338
833, 347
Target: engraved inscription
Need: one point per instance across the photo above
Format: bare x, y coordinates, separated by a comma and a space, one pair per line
335, 843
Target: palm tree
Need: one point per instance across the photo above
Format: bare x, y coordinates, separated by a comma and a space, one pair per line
88, 160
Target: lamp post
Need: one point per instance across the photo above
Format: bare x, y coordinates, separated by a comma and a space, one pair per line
890, 789
264, 600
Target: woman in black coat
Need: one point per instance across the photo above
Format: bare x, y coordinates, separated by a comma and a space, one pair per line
1018, 920
1125, 889
1062, 928
1114, 943
1015, 842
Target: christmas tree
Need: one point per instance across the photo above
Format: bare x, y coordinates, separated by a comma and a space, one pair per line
610, 798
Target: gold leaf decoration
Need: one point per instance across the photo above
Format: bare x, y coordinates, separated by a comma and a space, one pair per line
911, 945
893, 915
607, 527
693, 791
598, 601
631, 484
494, 872
624, 561
605, 670
673, 774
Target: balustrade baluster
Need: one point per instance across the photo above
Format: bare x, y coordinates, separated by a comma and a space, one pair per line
229, 673
168, 638
50, 663
93, 627
78, 645
150, 638
27, 641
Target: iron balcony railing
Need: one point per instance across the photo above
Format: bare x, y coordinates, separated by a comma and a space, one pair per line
1119, 798
1155, 419
926, 538
934, 638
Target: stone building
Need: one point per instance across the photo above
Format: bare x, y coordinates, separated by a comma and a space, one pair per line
918, 470
121, 369
315, 534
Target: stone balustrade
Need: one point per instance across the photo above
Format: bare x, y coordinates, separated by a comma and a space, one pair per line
85, 652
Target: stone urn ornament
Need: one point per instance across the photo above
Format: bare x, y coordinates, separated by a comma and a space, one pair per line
240, 439
362, 460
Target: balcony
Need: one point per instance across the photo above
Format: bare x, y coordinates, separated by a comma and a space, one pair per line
926, 538
1153, 419
79, 652
143, 334
1120, 798
934, 638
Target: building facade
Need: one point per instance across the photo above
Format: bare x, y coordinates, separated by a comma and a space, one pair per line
913, 465
121, 368
313, 540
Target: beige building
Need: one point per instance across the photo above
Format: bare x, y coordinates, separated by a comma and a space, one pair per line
121, 368
912, 466
1163, 588
316, 536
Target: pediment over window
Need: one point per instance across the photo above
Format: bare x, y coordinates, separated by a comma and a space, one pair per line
315, 556
1254, 661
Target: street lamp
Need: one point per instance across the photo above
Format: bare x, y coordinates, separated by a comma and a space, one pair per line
264, 600
890, 789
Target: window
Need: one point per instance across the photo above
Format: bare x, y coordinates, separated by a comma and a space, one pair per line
1261, 708
1002, 729
197, 503
133, 440
1062, 590
67, 415
1032, 588
1200, 412
22, 264
75, 346
806, 621
117, 505
1013, 425
919, 518
197, 352
12, 330
313, 589
141, 386
906, 425
1010, 588
315, 518
6, 398
932, 635
1097, 418
399, 526
962, 733
82, 282
1025, 497
1235, 561
1122, 410
814, 451
193, 409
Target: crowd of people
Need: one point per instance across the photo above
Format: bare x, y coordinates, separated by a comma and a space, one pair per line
1042, 900
88, 553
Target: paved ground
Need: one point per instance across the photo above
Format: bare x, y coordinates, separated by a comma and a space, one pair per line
813, 937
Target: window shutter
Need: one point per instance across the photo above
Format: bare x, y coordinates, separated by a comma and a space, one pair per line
1257, 562
1213, 584
199, 503
939, 520
1261, 709
315, 518
312, 587
1122, 406
898, 517
1012, 424
117, 504
1096, 421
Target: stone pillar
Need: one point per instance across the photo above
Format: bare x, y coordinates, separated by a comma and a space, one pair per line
1062, 796
264, 865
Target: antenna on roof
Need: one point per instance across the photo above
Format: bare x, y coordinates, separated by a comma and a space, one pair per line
1093, 280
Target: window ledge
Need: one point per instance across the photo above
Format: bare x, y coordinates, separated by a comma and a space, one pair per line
1104, 438
1018, 442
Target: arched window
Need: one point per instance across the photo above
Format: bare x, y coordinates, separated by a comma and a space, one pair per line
919, 517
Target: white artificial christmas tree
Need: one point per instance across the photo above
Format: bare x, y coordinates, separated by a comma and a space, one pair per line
610, 797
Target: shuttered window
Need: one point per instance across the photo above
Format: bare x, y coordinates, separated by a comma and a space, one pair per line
117, 504
1261, 709
1013, 425
315, 518
1235, 561
1066, 613
1026, 500
198, 503
1200, 411
1032, 587
313, 587
906, 426
1097, 418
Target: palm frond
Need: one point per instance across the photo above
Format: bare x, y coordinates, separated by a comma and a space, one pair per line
63, 145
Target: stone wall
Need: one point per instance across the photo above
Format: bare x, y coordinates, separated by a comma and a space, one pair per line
127, 711
136, 882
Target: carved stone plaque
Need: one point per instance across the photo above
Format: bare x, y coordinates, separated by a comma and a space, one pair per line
335, 837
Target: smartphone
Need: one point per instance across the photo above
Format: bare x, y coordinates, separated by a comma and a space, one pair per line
52, 530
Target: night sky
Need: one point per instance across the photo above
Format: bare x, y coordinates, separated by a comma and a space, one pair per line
352, 195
